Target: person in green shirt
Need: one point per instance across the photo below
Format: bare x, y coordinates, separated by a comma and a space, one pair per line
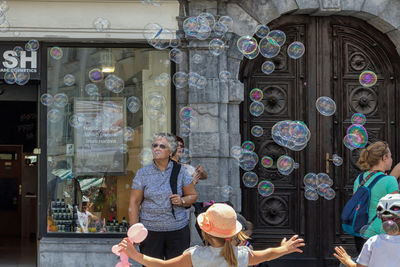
375, 160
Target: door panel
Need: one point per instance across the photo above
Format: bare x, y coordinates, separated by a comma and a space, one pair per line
338, 49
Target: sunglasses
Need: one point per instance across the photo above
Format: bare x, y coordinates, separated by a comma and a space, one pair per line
162, 146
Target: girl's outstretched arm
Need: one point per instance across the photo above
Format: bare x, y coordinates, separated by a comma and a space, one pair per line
345, 258
183, 260
287, 247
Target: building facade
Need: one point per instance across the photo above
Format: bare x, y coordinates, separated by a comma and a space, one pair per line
342, 39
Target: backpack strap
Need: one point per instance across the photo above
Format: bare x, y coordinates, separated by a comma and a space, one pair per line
376, 179
173, 180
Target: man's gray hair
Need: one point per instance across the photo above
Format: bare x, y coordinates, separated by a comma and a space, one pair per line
171, 139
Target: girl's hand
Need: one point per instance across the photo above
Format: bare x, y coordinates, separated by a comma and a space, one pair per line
343, 257
127, 247
293, 244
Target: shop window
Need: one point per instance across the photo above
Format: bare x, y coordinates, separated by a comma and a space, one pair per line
103, 106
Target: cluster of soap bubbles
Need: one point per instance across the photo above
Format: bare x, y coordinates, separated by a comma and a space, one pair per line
256, 107
356, 137
188, 120
269, 46
176, 55
55, 103
193, 79
325, 105
4, 24
16, 77
159, 37
247, 159
318, 185
203, 25
293, 135
286, 165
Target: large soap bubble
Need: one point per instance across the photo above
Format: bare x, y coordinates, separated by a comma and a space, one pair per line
285, 165
268, 47
246, 44
291, 134
325, 105
296, 50
357, 135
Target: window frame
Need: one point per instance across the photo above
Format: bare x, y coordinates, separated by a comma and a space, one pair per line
42, 127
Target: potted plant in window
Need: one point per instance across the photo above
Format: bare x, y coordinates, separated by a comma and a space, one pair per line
98, 203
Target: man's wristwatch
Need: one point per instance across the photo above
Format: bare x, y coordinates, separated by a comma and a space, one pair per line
183, 201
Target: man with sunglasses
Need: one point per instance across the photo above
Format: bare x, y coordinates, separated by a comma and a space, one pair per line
162, 212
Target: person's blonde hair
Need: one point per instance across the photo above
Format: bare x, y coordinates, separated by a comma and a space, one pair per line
372, 155
227, 251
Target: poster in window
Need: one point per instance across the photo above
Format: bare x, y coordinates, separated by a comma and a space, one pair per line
99, 138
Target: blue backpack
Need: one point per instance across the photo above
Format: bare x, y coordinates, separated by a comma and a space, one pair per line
355, 212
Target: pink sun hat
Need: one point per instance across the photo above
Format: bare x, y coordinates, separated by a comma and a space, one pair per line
220, 221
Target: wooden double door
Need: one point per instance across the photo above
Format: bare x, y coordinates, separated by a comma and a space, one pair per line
338, 49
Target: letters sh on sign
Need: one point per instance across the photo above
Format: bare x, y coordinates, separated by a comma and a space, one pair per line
23, 61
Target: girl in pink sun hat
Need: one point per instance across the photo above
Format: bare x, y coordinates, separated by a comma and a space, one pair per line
219, 226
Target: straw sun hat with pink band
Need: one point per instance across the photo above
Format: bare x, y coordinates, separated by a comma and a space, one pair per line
219, 221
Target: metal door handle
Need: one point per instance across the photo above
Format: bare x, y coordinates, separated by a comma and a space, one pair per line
327, 159
20, 189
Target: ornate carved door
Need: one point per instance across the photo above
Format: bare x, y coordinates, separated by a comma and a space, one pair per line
338, 49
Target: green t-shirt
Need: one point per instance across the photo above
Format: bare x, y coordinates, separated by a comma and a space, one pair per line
386, 185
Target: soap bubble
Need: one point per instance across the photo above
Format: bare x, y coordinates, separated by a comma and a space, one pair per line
197, 58
227, 21
390, 227
56, 53
322, 189
285, 165
114, 83
267, 162
252, 55
46, 99
366, 231
337, 160
91, 89
206, 18
22, 78
262, 31
77, 120
176, 55
368, 78
291, 134
257, 131
323, 178
133, 104
248, 160
310, 194
329, 194
180, 79
347, 141
358, 118
325, 105
256, 94
295, 50
236, 152
246, 44
357, 135
129, 134
101, 24
162, 80
185, 156
186, 113
278, 36
268, 67
95, 75
54, 115
18, 50
60, 100
268, 47
9, 77
220, 29
310, 180
146, 156
69, 80
266, 188
191, 26
224, 75
248, 145
250, 179
256, 109
32, 45
226, 191
216, 46
155, 101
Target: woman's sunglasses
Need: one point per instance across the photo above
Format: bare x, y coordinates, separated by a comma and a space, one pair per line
162, 146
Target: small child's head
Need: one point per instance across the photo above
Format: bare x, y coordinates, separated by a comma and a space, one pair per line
388, 210
219, 224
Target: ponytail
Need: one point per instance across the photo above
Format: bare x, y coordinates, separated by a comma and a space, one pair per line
229, 253
372, 155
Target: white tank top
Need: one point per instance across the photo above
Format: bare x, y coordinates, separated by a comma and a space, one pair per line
208, 256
